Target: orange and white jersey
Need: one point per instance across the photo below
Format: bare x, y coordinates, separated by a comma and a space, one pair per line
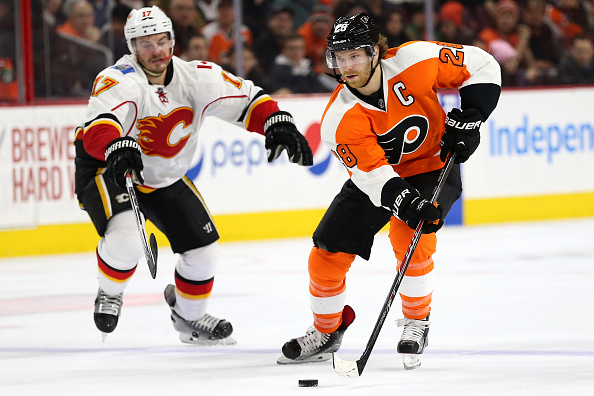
165, 119
377, 145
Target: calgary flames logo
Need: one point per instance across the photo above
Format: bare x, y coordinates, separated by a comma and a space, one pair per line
156, 132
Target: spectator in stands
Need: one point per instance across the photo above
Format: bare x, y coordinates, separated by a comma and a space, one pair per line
544, 44
220, 34
450, 26
113, 33
251, 69
506, 27
393, 27
197, 49
302, 9
570, 18
80, 20
292, 71
415, 27
507, 56
8, 80
315, 31
255, 16
186, 23
267, 44
577, 67
52, 14
7, 30
103, 9
208, 9
373, 8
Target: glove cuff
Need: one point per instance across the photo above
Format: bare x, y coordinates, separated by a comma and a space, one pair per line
121, 143
278, 118
391, 189
467, 121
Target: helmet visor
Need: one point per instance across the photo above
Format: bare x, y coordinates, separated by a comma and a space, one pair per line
350, 57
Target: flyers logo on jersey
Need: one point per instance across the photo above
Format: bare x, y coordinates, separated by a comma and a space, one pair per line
158, 133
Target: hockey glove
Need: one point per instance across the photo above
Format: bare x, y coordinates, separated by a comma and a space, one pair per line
461, 134
409, 207
123, 155
281, 134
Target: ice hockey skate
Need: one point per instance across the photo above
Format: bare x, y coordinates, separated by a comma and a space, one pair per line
107, 312
207, 330
413, 341
316, 346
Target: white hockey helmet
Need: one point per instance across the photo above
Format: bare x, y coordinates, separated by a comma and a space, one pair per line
147, 21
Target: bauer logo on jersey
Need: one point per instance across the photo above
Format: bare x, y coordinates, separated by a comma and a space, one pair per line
125, 69
166, 135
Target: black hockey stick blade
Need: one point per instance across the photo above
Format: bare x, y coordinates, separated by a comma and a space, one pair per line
150, 252
355, 369
154, 253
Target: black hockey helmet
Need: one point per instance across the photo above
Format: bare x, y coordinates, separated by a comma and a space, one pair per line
351, 32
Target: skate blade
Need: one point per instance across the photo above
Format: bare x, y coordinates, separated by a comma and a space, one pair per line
103, 336
312, 359
188, 339
411, 361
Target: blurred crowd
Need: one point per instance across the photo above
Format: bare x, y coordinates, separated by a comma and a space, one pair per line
537, 42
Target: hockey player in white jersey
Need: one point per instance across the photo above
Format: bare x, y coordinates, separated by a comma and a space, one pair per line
143, 118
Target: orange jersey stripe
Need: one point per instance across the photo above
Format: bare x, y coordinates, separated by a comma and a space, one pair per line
328, 323
416, 307
418, 269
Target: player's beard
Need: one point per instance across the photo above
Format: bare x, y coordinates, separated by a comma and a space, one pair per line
359, 79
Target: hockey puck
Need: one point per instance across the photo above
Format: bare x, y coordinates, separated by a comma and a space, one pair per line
308, 383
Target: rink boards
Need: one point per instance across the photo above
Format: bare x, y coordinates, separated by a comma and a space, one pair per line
534, 162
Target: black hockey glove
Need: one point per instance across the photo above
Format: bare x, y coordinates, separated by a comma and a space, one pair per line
409, 207
122, 155
462, 134
281, 134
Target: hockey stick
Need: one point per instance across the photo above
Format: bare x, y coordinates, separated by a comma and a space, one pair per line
149, 252
355, 369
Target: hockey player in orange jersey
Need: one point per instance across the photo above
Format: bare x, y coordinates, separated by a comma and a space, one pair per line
386, 125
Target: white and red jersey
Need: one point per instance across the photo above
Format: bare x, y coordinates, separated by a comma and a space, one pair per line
166, 119
377, 145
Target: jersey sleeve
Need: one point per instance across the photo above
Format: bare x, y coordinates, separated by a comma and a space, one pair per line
237, 100
111, 112
451, 65
355, 145
463, 65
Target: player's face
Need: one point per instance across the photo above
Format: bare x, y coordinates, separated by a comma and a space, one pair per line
152, 52
355, 66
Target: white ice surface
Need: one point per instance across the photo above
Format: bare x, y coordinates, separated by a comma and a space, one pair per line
512, 315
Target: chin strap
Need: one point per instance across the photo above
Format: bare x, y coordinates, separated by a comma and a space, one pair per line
373, 68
